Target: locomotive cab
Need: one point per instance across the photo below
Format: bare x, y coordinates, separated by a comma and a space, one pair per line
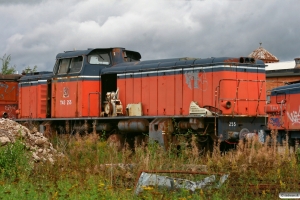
78, 89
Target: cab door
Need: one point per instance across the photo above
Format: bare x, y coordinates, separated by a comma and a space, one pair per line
65, 86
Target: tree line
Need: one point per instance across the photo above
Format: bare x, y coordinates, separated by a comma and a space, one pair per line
7, 68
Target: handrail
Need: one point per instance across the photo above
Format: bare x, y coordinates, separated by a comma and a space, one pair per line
236, 96
236, 99
281, 112
260, 91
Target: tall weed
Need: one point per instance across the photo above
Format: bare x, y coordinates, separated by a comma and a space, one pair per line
14, 160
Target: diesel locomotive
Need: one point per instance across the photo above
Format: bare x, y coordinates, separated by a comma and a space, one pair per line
112, 90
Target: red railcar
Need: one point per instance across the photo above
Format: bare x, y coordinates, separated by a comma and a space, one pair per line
112, 90
283, 111
9, 95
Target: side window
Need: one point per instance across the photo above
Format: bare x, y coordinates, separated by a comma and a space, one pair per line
100, 58
280, 97
56, 67
76, 64
63, 66
268, 99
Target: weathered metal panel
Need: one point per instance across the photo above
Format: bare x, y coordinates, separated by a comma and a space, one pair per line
146, 87
67, 98
170, 94
42, 92
160, 130
137, 88
9, 95
153, 94
178, 105
8, 91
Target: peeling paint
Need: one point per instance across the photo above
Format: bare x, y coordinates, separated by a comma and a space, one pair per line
198, 78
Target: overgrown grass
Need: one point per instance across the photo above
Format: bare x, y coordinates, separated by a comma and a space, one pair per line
14, 161
92, 169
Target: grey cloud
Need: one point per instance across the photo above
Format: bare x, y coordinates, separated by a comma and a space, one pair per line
12, 2
34, 34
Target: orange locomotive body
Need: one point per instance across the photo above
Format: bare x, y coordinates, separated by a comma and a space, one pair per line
283, 111
111, 90
168, 92
9, 95
33, 96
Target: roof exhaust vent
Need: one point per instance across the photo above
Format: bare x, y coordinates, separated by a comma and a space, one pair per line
297, 63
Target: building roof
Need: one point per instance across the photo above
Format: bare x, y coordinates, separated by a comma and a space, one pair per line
264, 55
280, 65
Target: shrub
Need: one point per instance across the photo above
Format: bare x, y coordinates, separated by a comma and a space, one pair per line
14, 160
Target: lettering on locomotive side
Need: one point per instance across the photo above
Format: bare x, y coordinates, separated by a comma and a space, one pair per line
65, 102
294, 116
10, 110
198, 76
232, 123
274, 108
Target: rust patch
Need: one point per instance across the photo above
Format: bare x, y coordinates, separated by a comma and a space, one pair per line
232, 60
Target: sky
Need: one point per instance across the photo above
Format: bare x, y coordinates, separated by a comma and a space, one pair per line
33, 32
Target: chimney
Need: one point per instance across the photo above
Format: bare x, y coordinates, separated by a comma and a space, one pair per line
297, 63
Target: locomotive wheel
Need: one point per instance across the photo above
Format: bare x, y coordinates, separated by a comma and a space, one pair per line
243, 133
205, 144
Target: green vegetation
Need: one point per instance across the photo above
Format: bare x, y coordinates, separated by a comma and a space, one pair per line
6, 68
14, 162
29, 70
90, 170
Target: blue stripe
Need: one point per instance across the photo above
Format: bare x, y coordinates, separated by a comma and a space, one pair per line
287, 89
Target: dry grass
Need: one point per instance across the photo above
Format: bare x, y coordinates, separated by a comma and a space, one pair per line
91, 162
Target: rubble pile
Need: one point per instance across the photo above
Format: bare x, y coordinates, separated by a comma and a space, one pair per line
35, 142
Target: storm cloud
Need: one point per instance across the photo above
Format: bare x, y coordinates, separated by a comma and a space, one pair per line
34, 31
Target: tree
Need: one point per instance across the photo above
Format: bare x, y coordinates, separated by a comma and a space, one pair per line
29, 70
6, 68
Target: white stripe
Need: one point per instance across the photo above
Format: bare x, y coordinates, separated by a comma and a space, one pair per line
75, 77
185, 69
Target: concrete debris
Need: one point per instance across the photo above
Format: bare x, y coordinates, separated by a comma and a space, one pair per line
39, 146
153, 180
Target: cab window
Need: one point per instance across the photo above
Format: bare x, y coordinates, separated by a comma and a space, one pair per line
99, 58
56, 67
64, 66
76, 64
69, 65
280, 97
